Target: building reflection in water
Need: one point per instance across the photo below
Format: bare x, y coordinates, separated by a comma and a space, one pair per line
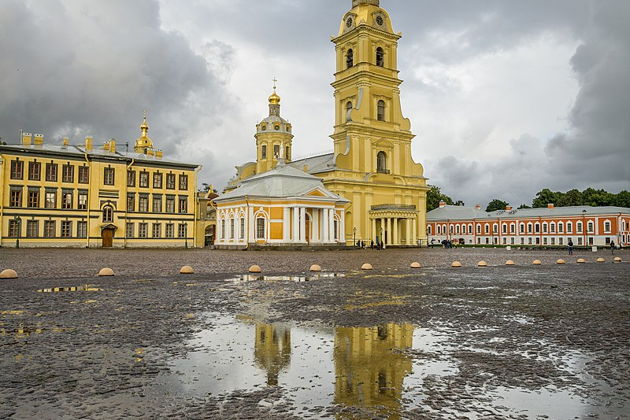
273, 349
369, 367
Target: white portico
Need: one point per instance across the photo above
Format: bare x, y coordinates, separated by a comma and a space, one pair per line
281, 207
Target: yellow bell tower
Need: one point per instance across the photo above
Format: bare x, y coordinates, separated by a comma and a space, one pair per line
372, 139
273, 137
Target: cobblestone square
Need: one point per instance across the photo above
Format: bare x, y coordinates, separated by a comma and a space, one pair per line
523, 341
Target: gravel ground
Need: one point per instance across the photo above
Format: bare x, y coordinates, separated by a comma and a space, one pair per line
101, 352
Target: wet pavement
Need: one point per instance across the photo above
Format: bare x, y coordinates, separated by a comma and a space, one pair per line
521, 342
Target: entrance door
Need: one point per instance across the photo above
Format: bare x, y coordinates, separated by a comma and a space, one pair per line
108, 237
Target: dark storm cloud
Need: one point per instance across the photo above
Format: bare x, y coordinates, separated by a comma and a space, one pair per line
75, 67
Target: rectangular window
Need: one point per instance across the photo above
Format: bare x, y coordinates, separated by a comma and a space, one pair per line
34, 171
131, 178
143, 203
84, 175
569, 228
144, 179
579, 241
544, 228
183, 204
552, 228
130, 230
545, 240
142, 230
560, 228
32, 228
242, 228
131, 202
223, 229
560, 241
51, 172
15, 199
81, 229
170, 181
14, 228
260, 228
49, 229
182, 230
67, 173
170, 230
66, 200
170, 204
51, 199
83, 198
157, 180
231, 228
109, 176
17, 169
157, 204
157, 230
183, 182
66, 229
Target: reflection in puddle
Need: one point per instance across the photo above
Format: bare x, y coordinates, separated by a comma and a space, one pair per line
245, 278
84, 288
379, 371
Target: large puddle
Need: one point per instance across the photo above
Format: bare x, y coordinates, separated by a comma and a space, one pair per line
381, 370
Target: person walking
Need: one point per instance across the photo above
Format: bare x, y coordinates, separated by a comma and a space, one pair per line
570, 246
612, 247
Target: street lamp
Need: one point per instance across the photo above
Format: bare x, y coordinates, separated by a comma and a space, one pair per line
18, 222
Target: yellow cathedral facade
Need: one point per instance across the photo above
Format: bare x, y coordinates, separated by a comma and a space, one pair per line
371, 166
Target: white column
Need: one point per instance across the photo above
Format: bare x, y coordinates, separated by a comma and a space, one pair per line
315, 226
382, 232
331, 225
325, 227
251, 235
374, 230
286, 224
296, 225
342, 229
389, 231
302, 224
396, 232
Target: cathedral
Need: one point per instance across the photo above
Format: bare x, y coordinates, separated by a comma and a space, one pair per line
371, 189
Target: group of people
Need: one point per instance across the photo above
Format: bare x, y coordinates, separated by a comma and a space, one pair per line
570, 247
379, 245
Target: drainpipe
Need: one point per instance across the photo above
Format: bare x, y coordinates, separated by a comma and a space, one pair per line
89, 199
196, 215
248, 222
133, 161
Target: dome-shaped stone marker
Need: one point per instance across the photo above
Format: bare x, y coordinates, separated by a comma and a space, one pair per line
315, 268
581, 261
618, 259
186, 270
509, 262
367, 266
561, 261
8, 274
255, 269
601, 260
456, 264
482, 264
106, 272
415, 265
536, 262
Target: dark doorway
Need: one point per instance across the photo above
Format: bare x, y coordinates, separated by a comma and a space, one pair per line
108, 237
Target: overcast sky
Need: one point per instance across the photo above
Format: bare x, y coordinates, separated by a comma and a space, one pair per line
506, 97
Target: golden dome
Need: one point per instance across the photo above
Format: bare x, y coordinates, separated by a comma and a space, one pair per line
274, 99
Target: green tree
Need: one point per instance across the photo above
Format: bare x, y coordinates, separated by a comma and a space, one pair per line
545, 197
434, 196
570, 198
623, 199
496, 204
524, 206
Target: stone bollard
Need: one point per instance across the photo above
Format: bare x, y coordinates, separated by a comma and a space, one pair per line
8, 274
536, 262
581, 261
106, 272
456, 264
315, 268
601, 260
482, 264
415, 265
618, 259
367, 267
509, 262
186, 270
255, 269
561, 261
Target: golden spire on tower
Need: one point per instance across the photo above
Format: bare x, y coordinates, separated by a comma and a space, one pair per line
274, 99
143, 143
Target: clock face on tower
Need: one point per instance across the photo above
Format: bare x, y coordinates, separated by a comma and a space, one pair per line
349, 22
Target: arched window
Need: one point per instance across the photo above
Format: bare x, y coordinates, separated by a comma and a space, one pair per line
512, 228
450, 228
276, 151
350, 58
578, 227
381, 163
495, 228
504, 228
263, 152
545, 227
590, 227
478, 229
260, 228
429, 229
287, 153
560, 227
607, 226
108, 214
380, 111
522, 228
487, 229
470, 229
537, 227
348, 111
380, 57
439, 229
569, 227
457, 229
552, 227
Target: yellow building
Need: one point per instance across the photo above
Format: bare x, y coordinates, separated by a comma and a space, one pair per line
272, 350
371, 164
84, 196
